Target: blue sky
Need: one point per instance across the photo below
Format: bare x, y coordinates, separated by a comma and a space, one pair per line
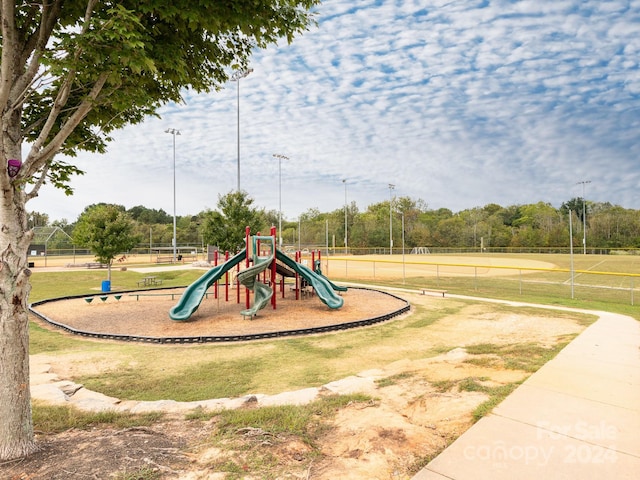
459, 103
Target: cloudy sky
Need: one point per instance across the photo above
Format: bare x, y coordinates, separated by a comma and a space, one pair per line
459, 103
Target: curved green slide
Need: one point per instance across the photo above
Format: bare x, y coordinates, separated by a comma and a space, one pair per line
337, 288
194, 293
320, 284
261, 293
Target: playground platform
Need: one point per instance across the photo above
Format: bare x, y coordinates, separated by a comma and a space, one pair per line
576, 417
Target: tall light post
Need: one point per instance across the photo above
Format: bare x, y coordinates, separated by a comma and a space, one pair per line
571, 248
280, 158
403, 267
584, 218
326, 238
174, 132
346, 248
391, 187
235, 77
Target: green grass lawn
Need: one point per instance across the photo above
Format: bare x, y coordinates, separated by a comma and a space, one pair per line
48, 285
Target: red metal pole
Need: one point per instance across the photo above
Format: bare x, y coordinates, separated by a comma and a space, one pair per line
226, 278
297, 259
273, 268
237, 283
215, 264
247, 231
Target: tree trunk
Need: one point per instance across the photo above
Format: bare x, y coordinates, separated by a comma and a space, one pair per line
16, 426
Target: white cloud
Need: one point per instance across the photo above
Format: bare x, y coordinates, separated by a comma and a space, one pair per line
458, 103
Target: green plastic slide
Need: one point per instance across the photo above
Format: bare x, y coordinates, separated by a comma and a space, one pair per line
194, 293
337, 288
320, 284
261, 293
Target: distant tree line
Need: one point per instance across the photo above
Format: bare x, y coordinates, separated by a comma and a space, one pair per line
492, 226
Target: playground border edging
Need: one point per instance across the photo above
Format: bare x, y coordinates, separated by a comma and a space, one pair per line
219, 338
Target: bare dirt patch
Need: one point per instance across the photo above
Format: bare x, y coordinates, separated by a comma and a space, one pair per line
101, 453
409, 420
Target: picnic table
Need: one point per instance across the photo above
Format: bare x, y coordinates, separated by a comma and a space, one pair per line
150, 281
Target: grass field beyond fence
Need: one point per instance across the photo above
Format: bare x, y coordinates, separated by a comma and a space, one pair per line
605, 279
592, 280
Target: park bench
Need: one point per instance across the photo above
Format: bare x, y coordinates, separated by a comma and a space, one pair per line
96, 265
433, 290
182, 257
164, 259
138, 295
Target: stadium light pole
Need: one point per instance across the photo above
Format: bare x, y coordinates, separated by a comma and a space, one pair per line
280, 158
346, 249
235, 77
326, 238
174, 132
571, 249
391, 187
403, 265
584, 218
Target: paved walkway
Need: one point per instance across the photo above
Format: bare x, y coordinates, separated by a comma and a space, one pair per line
578, 417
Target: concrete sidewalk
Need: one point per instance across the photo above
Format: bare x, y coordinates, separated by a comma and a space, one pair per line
578, 417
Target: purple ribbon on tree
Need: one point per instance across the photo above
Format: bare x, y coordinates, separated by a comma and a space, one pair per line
13, 167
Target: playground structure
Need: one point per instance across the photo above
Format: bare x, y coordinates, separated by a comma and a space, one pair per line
262, 259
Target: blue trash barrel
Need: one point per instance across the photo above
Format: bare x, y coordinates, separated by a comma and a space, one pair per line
106, 285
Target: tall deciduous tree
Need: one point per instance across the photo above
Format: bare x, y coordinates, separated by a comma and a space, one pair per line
72, 72
107, 230
226, 227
